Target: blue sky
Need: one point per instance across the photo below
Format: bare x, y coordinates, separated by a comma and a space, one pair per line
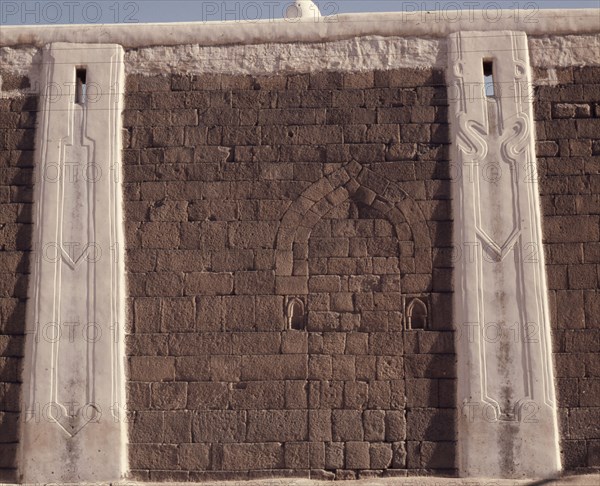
15, 12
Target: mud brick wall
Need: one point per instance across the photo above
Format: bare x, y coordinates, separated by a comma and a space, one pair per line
568, 127
243, 192
17, 127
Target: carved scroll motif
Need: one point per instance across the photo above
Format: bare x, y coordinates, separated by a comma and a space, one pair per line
504, 352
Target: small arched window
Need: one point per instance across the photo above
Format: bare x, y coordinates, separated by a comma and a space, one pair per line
416, 314
296, 318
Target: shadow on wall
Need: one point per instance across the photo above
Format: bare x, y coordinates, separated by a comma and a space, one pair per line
16, 156
440, 453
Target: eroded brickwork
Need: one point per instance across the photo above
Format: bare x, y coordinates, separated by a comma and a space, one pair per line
17, 127
568, 127
244, 192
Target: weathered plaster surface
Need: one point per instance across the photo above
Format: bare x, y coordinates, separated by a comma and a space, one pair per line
505, 387
73, 379
356, 54
347, 26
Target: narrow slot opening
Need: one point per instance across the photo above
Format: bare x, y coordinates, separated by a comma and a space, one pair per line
80, 86
488, 78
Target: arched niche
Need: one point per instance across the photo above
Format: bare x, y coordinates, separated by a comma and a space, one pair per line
416, 314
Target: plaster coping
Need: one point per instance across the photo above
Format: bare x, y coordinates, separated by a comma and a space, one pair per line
570, 480
344, 26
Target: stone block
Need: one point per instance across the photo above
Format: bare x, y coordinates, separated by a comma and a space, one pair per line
169, 396
430, 366
277, 425
152, 456
357, 455
357, 343
248, 343
380, 455
151, 368
344, 475
208, 283
255, 282
347, 425
380, 395
159, 235
225, 368
177, 314
164, 284
142, 344
138, 395
219, 426
146, 427
297, 455
438, 455
238, 312
269, 312
252, 234
395, 426
582, 277
571, 229
382, 343
422, 393
296, 394
334, 455
178, 427
390, 368
342, 302
275, 367
570, 311
264, 395
324, 283
334, 343
355, 394
319, 423
192, 368
374, 425
294, 342
209, 313
291, 285
194, 456
147, 315
244, 457
431, 424
320, 367
197, 344
232, 260
330, 396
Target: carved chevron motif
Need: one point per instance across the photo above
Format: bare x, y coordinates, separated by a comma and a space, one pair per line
502, 376
73, 263
73, 421
498, 251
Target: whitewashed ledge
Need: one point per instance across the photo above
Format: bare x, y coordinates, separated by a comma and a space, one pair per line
587, 480
344, 26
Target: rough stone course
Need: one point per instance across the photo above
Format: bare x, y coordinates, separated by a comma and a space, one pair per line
17, 122
569, 176
242, 192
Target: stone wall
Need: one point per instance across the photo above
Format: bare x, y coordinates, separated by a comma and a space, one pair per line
568, 128
17, 123
243, 192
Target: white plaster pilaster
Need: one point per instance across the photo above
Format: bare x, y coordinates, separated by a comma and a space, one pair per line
73, 423
507, 406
